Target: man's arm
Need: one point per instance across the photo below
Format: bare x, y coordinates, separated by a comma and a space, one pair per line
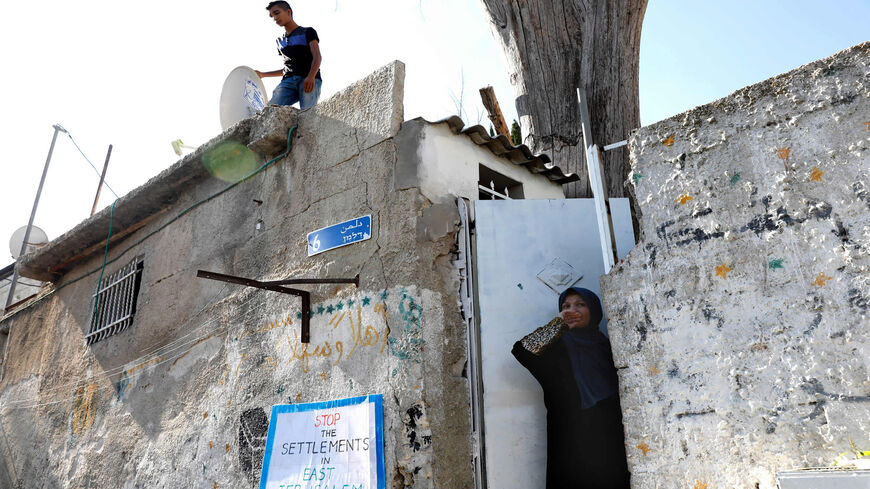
308, 83
266, 74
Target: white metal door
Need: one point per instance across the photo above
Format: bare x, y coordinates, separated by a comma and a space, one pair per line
516, 240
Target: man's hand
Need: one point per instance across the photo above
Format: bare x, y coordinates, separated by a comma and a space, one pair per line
259, 73
308, 84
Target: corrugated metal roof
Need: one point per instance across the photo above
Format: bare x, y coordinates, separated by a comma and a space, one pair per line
502, 146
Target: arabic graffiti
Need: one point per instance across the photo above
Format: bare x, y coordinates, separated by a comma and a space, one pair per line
341, 332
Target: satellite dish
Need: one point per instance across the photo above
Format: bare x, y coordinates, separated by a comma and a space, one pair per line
242, 96
37, 240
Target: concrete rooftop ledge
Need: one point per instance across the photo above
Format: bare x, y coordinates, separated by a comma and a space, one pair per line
132, 211
372, 104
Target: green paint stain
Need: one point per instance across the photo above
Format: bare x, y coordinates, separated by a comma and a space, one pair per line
520, 286
735, 178
340, 306
298, 315
636, 177
384, 295
320, 309
366, 301
350, 304
330, 309
280, 390
775, 263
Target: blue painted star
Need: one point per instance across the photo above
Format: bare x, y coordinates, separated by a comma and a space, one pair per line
349, 303
366, 301
330, 309
320, 309
735, 178
340, 306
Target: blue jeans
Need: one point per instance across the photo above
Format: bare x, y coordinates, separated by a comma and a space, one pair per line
290, 91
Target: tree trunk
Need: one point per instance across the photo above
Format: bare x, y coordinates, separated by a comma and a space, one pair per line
552, 48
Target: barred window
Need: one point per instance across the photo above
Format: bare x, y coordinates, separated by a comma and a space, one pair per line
115, 302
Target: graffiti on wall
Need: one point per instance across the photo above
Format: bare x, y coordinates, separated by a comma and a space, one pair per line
84, 407
384, 323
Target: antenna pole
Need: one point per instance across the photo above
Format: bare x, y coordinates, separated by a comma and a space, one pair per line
102, 179
57, 128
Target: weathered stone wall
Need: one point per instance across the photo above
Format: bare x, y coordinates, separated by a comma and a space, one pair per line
182, 397
739, 322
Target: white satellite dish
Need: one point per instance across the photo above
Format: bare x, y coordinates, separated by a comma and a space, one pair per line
37, 239
242, 96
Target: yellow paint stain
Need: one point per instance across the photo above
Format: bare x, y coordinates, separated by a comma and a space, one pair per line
722, 271
816, 174
323, 375
227, 448
215, 485
210, 445
654, 370
684, 198
298, 396
205, 415
84, 408
783, 153
643, 447
229, 403
699, 485
416, 387
669, 141
821, 279
868, 125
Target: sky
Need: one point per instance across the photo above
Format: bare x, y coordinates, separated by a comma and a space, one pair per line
139, 75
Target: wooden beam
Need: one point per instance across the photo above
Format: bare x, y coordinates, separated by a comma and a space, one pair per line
487, 95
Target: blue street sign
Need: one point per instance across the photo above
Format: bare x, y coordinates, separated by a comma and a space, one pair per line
341, 234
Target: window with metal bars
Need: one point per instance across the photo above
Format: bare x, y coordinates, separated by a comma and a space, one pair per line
115, 301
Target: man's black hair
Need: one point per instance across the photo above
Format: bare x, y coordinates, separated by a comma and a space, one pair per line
280, 3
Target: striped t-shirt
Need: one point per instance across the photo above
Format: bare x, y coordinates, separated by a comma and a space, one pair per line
294, 48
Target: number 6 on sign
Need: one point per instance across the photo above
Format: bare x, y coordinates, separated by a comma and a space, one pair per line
313, 245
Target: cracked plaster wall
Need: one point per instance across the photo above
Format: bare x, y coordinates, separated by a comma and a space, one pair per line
182, 397
739, 322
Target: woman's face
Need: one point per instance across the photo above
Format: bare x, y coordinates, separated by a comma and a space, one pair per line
575, 312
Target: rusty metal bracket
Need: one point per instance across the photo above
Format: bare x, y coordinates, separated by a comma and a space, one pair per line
278, 286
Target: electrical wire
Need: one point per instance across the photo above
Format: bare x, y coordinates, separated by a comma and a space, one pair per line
101, 269
88, 160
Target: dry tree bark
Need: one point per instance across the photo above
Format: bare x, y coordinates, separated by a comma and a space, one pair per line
554, 46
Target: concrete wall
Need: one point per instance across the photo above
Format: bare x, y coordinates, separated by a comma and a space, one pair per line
739, 322
447, 165
182, 397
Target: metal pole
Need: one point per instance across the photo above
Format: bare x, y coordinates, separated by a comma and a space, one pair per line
102, 179
57, 128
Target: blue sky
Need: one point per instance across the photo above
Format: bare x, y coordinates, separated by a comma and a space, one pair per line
695, 52
139, 76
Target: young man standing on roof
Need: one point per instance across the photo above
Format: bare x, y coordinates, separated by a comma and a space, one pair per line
299, 46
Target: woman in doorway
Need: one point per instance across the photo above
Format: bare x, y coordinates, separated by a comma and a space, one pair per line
585, 439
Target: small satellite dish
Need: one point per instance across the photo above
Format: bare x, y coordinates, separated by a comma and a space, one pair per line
242, 96
37, 239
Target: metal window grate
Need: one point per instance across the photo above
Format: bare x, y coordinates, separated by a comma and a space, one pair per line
115, 302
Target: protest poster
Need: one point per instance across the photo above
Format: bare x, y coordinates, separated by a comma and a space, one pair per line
335, 444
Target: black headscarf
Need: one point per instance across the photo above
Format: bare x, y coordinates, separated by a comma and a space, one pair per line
589, 351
